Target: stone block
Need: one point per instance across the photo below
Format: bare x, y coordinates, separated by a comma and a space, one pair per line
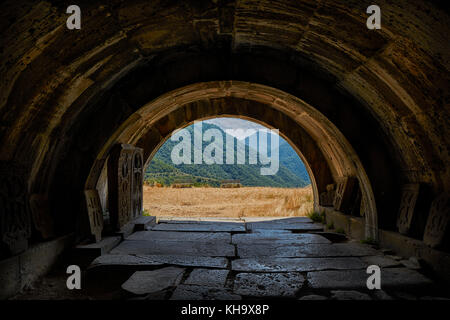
95, 213
132, 261
143, 222
224, 237
267, 264
153, 282
174, 248
207, 278
268, 284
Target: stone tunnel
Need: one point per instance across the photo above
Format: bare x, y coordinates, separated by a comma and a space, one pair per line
366, 110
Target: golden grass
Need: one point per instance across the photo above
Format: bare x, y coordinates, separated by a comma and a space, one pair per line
228, 202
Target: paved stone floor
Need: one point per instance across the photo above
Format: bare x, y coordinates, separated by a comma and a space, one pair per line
233, 259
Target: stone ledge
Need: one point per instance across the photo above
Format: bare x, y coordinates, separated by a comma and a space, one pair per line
403, 245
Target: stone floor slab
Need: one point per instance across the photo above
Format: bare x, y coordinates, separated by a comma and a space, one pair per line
296, 226
191, 292
181, 236
391, 278
191, 248
278, 237
381, 261
207, 278
268, 249
296, 264
117, 260
150, 282
200, 227
99, 248
268, 284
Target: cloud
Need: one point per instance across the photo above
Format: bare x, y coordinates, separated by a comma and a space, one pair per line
235, 124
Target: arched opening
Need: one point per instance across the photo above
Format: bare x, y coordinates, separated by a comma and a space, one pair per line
232, 185
329, 156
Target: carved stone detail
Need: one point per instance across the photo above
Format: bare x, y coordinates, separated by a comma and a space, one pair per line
343, 199
119, 184
410, 193
326, 199
137, 180
40, 211
95, 213
438, 224
15, 220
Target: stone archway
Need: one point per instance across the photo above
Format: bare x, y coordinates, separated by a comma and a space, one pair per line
324, 147
68, 95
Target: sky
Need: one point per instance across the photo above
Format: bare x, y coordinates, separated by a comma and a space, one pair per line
235, 123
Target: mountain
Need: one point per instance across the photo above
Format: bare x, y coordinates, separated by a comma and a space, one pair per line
163, 170
288, 157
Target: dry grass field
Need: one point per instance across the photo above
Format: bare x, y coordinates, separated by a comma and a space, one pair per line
228, 202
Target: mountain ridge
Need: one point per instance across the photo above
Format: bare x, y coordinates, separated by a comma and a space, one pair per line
162, 170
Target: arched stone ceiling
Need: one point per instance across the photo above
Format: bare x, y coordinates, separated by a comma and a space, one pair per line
51, 77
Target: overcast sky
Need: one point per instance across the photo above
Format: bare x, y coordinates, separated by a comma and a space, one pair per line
235, 123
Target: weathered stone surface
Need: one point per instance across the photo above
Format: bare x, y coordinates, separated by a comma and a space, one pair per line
15, 216
356, 279
349, 295
408, 214
326, 198
143, 222
181, 236
174, 248
95, 213
190, 292
268, 284
438, 222
297, 226
150, 282
119, 184
307, 250
99, 248
278, 238
126, 260
312, 297
40, 212
200, 227
333, 236
381, 261
344, 194
295, 264
137, 181
412, 263
207, 278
